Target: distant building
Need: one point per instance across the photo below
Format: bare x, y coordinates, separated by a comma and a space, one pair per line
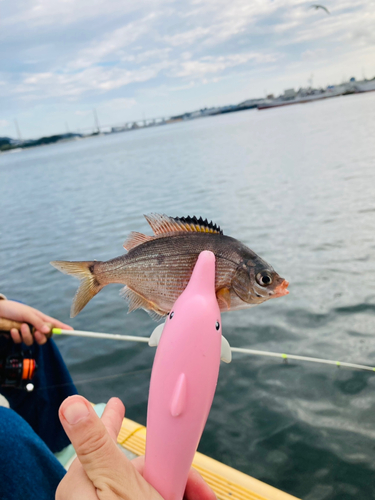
289, 94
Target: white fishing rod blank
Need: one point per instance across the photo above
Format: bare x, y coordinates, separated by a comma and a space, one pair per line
241, 350
98, 335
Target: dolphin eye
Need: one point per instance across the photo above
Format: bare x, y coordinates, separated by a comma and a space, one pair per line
217, 325
171, 315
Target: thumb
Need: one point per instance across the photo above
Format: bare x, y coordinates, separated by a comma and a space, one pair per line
94, 445
94, 442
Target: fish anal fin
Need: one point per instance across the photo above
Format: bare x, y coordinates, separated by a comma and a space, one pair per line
163, 224
134, 239
156, 315
223, 298
137, 301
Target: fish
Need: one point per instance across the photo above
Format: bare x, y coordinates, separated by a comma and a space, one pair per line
156, 269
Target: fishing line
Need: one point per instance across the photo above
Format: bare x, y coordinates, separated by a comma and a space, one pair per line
95, 379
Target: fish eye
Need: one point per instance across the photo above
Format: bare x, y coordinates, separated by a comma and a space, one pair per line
171, 315
264, 278
217, 325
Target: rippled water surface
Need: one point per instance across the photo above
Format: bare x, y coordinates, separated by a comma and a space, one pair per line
297, 185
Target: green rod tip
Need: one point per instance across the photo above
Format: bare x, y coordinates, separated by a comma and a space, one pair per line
56, 331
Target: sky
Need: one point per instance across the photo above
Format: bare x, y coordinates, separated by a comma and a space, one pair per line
136, 59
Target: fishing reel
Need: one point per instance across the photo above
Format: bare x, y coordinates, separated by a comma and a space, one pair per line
17, 371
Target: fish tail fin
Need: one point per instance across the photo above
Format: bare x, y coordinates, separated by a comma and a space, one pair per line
89, 286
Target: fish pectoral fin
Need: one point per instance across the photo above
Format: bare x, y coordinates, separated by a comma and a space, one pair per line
223, 299
134, 239
226, 351
137, 301
155, 337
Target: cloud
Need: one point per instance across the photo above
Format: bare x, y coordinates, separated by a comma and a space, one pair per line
120, 103
310, 55
113, 44
98, 52
4, 123
207, 65
97, 79
39, 13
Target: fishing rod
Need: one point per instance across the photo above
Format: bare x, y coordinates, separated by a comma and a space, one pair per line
5, 327
98, 335
242, 350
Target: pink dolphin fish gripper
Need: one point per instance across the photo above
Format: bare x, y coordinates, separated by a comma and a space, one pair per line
183, 381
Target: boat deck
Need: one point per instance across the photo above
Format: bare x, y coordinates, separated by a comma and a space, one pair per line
227, 483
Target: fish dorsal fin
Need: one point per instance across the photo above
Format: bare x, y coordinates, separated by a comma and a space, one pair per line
162, 224
134, 239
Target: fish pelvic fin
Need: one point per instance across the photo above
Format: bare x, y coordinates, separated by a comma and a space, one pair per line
163, 224
89, 286
137, 301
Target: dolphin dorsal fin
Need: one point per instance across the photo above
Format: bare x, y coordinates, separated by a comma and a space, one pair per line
163, 224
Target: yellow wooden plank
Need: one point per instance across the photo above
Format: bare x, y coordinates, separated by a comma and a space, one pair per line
227, 483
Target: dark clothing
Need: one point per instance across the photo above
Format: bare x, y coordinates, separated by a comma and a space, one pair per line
28, 469
30, 432
52, 383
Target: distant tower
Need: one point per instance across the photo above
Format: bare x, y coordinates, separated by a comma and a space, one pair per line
67, 127
17, 129
96, 121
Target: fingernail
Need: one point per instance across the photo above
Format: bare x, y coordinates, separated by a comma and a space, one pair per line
75, 412
45, 329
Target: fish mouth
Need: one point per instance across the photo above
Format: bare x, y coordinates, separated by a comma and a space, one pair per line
281, 289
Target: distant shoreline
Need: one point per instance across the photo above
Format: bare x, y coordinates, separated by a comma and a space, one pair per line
290, 97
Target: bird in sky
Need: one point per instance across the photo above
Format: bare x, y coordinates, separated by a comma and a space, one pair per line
317, 6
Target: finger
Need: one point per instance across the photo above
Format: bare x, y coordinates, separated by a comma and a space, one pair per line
94, 446
27, 338
55, 322
40, 338
103, 462
139, 464
16, 336
196, 487
32, 317
76, 485
112, 417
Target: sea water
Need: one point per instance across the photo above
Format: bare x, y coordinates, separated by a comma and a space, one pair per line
297, 185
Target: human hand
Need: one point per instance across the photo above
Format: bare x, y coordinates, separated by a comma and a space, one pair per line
101, 471
26, 315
